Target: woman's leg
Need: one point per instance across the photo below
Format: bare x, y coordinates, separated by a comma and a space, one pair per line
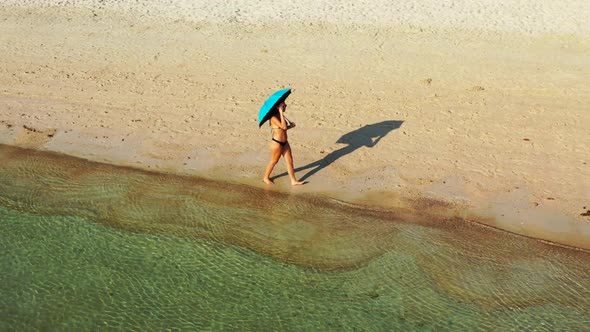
290, 169
275, 155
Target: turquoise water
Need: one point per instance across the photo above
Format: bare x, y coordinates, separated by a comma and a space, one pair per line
85, 246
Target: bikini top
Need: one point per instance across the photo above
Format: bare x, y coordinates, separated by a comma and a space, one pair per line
288, 125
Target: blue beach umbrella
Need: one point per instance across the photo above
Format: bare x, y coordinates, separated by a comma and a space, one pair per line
265, 111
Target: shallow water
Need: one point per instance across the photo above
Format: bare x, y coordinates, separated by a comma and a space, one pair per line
86, 245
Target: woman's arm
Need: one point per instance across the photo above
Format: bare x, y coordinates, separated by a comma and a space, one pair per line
290, 124
283, 124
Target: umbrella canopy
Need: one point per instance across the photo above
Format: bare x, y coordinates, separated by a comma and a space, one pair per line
265, 111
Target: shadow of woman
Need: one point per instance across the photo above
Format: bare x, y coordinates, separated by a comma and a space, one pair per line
368, 136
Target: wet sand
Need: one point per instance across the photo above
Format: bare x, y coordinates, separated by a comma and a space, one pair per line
484, 110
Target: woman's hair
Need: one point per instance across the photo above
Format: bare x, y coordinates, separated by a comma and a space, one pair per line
275, 109
279, 102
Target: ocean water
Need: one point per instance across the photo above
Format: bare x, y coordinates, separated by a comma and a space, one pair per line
90, 246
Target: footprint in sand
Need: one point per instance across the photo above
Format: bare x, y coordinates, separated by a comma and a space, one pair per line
427, 81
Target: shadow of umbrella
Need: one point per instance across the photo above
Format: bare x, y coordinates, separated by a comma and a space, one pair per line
366, 136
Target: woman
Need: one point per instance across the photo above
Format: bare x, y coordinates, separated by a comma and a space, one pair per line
279, 144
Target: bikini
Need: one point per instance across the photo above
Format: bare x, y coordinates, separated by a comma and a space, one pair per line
281, 143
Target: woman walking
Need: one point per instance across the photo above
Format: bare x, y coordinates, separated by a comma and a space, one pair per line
279, 145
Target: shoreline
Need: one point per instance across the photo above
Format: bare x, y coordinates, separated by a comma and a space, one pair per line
493, 123
417, 208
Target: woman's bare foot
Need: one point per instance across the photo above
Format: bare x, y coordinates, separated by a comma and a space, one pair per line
297, 183
268, 181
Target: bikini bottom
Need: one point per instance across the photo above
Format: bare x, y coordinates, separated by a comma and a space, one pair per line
281, 143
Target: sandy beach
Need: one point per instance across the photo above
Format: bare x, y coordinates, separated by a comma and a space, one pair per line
482, 105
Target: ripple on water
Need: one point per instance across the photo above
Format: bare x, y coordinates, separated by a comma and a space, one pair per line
88, 244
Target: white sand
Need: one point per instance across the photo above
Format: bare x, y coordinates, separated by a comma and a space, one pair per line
493, 96
533, 17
